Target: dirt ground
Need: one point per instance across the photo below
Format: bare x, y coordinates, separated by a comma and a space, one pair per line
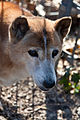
24, 101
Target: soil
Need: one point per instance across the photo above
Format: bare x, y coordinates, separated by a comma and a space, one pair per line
25, 101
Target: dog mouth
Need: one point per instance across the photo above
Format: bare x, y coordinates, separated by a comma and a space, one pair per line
44, 89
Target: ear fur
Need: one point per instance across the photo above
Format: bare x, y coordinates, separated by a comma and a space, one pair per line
18, 29
62, 26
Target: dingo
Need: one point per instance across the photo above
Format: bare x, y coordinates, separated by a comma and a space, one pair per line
29, 46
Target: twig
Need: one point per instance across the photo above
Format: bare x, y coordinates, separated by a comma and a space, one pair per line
73, 52
16, 98
67, 57
33, 99
75, 46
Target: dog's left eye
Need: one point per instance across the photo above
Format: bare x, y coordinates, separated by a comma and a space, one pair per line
54, 53
33, 53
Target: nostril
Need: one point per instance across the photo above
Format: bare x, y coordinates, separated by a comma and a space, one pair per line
48, 84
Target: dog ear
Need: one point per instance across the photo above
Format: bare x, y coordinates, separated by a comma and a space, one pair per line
18, 29
62, 26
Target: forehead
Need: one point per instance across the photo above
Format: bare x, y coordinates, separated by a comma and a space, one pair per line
35, 36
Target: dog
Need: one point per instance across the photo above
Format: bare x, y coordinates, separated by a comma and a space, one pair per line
29, 46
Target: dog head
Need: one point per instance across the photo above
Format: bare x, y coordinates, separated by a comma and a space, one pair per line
36, 43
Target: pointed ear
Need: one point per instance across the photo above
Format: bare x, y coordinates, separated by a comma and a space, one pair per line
62, 26
18, 29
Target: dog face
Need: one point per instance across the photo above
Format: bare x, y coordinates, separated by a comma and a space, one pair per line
35, 44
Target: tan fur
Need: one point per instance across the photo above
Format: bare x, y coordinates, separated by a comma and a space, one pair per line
15, 62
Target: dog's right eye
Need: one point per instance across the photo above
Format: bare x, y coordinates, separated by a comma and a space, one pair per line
54, 53
33, 53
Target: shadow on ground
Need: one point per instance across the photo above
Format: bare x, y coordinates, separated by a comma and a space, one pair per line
9, 112
34, 104
58, 108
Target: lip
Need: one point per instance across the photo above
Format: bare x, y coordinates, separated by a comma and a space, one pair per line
43, 89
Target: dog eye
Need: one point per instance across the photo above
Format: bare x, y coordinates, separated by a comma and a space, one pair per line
33, 53
54, 53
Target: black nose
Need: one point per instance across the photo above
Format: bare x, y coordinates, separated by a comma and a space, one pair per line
48, 84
